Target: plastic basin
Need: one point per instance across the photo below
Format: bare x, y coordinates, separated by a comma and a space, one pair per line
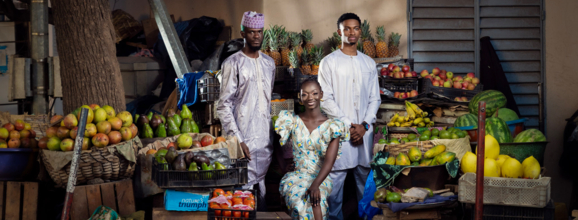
516, 126
521, 151
432, 177
18, 163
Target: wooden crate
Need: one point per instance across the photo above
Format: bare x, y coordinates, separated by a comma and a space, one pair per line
12, 194
116, 195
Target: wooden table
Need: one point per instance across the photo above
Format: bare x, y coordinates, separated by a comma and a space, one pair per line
162, 214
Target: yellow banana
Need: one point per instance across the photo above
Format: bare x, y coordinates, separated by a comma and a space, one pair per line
400, 119
397, 124
407, 124
410, 112
424, 114
394, 118
417, 121
421, 125
414, 107
426, 120
391, 124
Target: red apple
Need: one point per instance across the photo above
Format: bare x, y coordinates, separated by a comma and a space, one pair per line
408, 94
471, 87
436, 71
390, 74
413, 74
457, 85
458, 79
405, 68
475, 80
436, 83
408, 75
457, 99
443, 75
437, 78
413, 93
390, 67
464, 99
384, 72
397, 75
404, 95
447, 84
423, 73
465, 84
468, 80
428, 76
396, 69
470, 75
396, 94
400, 96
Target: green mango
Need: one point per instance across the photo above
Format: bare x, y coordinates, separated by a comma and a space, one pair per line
178, 120
164, 119
209, 175
173, 129
194, 126
148, 131
161, 131
185, 112
136, 118
186, 126
150, 116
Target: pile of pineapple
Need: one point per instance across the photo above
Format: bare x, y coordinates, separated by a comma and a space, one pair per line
382, 49
293, 53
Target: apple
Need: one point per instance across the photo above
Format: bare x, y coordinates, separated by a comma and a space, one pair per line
458, 79
396, 69
413, 93
404, 95
457, 99
428, 76
436, 83
468, 80
437, 78
397, 75
423, 73
413, 74
436, 71
400, 96
405, 68
390, 67
408, 94
471, 87
457, 85
408, 75
390, 74
450, 75
465, 99
465, 84
470, 75
475, 80
396, 94
383, 71
447, 84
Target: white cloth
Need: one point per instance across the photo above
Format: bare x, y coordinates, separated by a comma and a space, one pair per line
244, 107
351, 94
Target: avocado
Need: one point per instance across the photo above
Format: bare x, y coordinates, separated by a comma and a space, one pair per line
148, 131
189, 157
173, 129
186, 126
179, 163
185, 112
171, 155
161, 131
150, 116
205, 167
194, 127
178, 120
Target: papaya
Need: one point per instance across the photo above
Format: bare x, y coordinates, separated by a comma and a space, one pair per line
194, 126
402, 160
425, 162
185, 112
173, 129
434, 151
390, 161
186, 126
148, 131
414, 154
178, 120
446, 157
161, 131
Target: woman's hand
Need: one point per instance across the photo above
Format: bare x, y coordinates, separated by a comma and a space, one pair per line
314, 194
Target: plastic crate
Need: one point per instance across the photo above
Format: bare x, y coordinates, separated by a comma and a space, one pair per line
399, 85
427, 87
280, 73
499, 212
398, 62
506, 191
293, 83
211, 215
277, 107
170, 179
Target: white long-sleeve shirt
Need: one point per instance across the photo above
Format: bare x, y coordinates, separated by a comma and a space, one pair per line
351, 93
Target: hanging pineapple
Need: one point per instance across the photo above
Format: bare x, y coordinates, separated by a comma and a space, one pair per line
305, 64
273, 37
381, 46
394, 44
294, 59
367, 39
307, 37
316, 55
296, 43
284, 46
265, 44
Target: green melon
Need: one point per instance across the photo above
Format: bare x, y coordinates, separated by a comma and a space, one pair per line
506, 114
466, 120
530, 135
498, 129
494, 100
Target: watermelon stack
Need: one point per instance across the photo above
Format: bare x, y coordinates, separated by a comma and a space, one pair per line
466, 121
506, 114
530, 135
498, 129
494, 99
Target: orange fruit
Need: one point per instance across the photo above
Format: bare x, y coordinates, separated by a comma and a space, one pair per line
213, 203
172, 144
225, 206
218, 192
217, 212
214, 206
237, 201
250, 203
151, 152
229, 193
237, 214
246, 214
227, 213
282, 100
220, 139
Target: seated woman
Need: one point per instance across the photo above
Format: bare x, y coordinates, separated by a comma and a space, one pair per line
316, 146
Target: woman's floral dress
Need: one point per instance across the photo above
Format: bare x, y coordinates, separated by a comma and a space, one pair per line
308, 154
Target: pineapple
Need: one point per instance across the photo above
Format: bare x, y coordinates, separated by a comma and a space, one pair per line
294, 59
360, 48
367, 39
284, 45
274, 53
381, 46
265, 44
296, 43
316, 56
337, 40
305, 64
394, 44
307, 37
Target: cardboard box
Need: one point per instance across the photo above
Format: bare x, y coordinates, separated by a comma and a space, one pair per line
186, 201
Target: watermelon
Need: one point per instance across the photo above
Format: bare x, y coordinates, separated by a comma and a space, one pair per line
530, 135
494, 100
498, 129
466, 120
506, 114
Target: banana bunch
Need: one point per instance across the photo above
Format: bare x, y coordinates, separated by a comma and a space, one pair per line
415, 117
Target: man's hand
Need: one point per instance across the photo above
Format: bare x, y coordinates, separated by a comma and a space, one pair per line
246, 150
357, 133
354, 137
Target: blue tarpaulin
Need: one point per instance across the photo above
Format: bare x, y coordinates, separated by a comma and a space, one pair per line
364, 207
188, 88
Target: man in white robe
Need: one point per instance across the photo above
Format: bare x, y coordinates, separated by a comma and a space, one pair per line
245, 101
350, 93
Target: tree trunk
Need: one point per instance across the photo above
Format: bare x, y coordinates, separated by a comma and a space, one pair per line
85, 37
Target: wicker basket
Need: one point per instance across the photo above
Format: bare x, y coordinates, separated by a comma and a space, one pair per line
107, 164
125, 25
395, 149
39, 123
506, 191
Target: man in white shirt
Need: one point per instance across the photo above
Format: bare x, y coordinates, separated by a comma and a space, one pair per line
350, 93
